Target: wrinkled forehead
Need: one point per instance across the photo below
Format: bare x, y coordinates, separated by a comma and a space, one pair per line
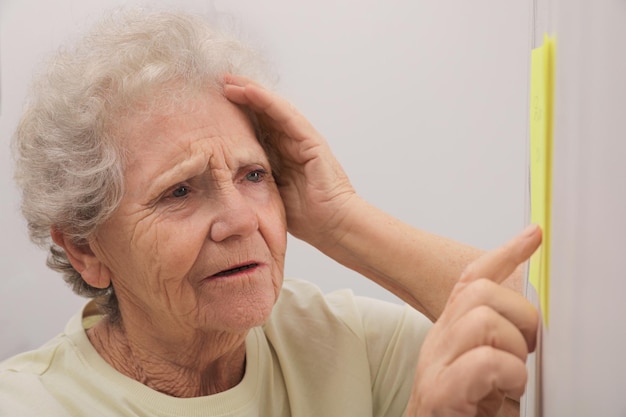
171, 114
207, 135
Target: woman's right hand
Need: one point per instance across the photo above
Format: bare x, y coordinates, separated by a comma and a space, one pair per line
475, 353
317, 194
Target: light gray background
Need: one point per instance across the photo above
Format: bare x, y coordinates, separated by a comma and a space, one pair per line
424, 103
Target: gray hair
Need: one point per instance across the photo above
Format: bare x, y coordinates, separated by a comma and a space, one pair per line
69, 162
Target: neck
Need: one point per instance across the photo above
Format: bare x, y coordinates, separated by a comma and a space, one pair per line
207, 365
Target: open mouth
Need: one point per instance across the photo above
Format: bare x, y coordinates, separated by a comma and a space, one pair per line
235, 270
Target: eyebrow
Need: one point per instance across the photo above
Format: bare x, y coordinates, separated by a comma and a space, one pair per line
193, 166
196, 165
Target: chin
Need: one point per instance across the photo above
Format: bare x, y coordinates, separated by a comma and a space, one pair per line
242, 311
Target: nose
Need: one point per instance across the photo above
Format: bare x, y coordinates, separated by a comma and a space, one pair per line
235, 217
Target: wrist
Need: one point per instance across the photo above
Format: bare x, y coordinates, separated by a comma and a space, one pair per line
337, 233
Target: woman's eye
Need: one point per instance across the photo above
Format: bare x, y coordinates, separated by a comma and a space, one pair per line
180, 191
256, 176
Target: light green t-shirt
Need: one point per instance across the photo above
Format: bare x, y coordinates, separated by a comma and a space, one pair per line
318, 355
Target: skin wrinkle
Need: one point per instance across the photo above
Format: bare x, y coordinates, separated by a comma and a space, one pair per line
195, 165
180, 333
193, 375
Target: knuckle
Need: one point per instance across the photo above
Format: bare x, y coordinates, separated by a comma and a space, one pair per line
480, 290
484, 316
470, 272
495, 331
484, 322
486, 358
476, 290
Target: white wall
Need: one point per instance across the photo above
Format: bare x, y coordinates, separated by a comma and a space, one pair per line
424, 102
585, 342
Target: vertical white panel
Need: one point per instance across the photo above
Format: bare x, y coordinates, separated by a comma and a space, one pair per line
540, 25
585, 343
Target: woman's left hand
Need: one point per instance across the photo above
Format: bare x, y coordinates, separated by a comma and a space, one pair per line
475, 353
317, 194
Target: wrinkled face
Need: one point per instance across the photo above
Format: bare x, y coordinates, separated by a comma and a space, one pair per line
199, 239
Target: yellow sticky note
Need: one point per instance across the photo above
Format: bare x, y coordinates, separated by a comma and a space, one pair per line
541, 120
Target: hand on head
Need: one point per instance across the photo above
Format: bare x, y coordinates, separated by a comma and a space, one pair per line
315, 189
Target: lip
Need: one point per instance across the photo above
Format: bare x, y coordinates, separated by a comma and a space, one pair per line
236, 270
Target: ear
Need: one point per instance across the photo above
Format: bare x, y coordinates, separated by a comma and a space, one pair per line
82, 258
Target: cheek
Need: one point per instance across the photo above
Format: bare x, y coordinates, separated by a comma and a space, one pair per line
274, 231
274, 226
176, 244
155, 248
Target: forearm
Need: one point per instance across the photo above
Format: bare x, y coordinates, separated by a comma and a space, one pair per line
419, 267
323, 209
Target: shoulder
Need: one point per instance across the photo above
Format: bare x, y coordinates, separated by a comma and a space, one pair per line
22, 390
37, 361
33, 362
303, 307
341, 345
304, 312
25, 378
302, 299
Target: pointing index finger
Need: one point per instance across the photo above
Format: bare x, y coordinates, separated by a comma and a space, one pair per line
498, 264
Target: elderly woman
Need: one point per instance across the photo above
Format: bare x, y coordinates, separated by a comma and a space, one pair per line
164, 187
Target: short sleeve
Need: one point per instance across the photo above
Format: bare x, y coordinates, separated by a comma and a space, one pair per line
21, 394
